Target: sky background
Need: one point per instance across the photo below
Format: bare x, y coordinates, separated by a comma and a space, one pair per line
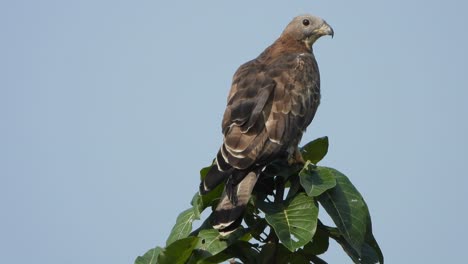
108, 109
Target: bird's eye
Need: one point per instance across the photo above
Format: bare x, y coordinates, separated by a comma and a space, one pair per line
305, 22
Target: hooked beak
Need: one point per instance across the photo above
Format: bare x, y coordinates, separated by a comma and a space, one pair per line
322, 30
325, 29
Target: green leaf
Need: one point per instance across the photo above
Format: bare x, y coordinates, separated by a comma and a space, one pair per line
346, 207
338, 237
178, 252
218, 258
371, 252
197, 204
183, 225
201, 202
318, 245
294, 220
150, 257
349, 211
240, 250
244, 251
204, 171
211, 242
315, 150
370, 256
316, 180
278, 253
284, 256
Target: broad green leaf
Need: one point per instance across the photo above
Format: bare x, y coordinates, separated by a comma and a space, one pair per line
316, 180
240, 250
291, 258
370, 256
197, 204
371, 252
201, 202
318, 245
183, 226
204, 171
294, 220
244, 251
346, 207
315, 150
349, 211
178, 252
218, 258
207, 224
150, 257
278, 253
338, 237
211, 242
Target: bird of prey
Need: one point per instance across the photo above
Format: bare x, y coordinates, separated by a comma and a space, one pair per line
272, 100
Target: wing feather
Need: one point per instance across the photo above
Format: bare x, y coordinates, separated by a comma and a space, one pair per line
268, 109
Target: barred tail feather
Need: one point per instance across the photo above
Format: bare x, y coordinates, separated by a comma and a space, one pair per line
227, 215
213, 178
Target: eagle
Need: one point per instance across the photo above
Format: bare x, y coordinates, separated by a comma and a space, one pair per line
273, 98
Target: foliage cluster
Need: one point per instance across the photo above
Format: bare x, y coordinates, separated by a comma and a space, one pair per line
281, 223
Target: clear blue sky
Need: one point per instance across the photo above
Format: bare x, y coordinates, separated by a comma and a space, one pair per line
108, 109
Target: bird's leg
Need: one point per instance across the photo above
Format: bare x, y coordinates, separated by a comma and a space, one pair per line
296, 158
231, 190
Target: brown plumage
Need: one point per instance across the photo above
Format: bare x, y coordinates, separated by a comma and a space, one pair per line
272, 100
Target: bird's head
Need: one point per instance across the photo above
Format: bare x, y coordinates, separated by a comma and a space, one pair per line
308, 29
